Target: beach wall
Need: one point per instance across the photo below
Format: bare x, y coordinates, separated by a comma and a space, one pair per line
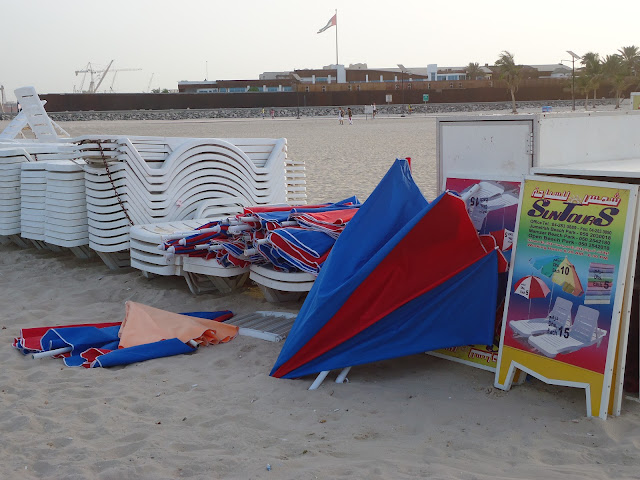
75, 102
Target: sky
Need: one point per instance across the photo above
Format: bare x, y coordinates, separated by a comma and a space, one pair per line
46, 41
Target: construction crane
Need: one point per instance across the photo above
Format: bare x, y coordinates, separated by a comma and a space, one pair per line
115, 72
150, 80
97, 76
3, 100
93, 86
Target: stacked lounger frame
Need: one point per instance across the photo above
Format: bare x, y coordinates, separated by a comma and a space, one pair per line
201, 275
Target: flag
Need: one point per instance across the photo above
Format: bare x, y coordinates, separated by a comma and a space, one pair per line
332, 21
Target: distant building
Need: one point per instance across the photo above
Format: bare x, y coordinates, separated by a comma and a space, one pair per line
359, 76
554, 70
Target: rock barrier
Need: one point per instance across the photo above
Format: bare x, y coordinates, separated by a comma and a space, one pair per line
307, 112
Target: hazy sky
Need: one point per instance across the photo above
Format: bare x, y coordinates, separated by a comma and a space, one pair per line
45, 41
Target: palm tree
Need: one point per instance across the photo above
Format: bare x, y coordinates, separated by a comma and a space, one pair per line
615, 72
583, 85
592, 73
511, 74
474, 71
630, 59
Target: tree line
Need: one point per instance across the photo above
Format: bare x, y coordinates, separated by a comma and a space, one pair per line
620, 71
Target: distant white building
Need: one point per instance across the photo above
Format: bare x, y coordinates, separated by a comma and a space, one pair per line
553, 70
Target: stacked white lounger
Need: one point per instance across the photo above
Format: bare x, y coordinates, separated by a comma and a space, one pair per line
66, 224
281, 286
33, 193
201, 275
144, 180
11, 160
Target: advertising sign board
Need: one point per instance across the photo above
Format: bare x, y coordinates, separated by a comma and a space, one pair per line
565, 292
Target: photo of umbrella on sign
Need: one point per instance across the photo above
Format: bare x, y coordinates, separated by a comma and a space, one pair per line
561, 272
531, 287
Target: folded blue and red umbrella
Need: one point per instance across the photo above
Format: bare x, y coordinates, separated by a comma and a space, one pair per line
420, 280
101, 344
290, 238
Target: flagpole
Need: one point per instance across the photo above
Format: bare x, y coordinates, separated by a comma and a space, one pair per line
336, 37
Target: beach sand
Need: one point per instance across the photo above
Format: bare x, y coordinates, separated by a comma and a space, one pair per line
217, 414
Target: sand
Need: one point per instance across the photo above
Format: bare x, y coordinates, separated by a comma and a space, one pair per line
217, 413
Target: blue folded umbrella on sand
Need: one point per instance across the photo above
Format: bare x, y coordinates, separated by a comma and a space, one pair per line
145, 333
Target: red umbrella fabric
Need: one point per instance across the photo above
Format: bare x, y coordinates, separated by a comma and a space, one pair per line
531, 287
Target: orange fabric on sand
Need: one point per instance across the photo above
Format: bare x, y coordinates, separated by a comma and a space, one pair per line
144, 324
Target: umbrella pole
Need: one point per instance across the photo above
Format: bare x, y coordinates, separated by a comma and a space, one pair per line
343, 375
319, 379
51, 353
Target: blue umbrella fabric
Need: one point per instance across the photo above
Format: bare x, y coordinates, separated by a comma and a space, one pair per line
404, 277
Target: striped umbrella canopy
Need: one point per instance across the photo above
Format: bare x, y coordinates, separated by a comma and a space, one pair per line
561, 272
531, 287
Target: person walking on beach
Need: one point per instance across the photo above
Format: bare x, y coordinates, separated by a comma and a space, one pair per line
263, 113
273, 114
375, 110
341, 116
349, 114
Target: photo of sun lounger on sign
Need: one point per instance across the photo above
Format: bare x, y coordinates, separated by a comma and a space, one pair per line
486, 197
559, 317
583, 333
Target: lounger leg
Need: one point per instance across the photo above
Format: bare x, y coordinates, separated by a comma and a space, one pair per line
198, 283
276, 296
229, 284
222, 284
115, 261
19, 241
53, 248
35, 243
108, 260
319, 379
81, 252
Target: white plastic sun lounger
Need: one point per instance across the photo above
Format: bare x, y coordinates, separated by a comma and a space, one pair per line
33, 114
559, 316
14, 128
281, 286
584, 332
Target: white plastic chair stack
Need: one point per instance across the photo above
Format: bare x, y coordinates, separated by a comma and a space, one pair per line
66, 223
296, 182
107, 210
155, 179
33, 193
11, 160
